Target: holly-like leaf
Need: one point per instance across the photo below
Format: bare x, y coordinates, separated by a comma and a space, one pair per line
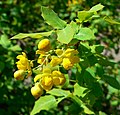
44, 103
31, 35
79, 90
66, 35
85, 34
52, 19
96, 8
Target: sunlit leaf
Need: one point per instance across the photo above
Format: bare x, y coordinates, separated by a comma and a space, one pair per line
66, 35
31, 35
52, 19
79, 90
85, 15
59, 92
44, 103
97, 8
4, 41
85, 34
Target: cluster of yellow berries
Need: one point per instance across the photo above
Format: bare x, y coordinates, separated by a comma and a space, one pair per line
48, 59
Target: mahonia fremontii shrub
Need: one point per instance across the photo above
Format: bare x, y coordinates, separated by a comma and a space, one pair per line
49, 62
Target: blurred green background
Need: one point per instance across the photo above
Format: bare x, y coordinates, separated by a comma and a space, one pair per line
24, 16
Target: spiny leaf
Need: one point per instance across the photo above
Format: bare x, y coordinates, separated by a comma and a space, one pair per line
79, 90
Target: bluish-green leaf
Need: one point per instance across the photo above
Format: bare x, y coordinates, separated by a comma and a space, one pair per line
110, 20
52, 19
96, 8
85, 34
66, 35
31, 35
44, 103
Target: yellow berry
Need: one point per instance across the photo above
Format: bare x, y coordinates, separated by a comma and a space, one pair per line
36, 90
19, 74
44, 45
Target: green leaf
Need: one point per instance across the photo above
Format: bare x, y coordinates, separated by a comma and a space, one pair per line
81, 104
15, 48
99, 49
59, 92
74, 109
111, 81
88, 78
4, 41
110, 20
66, 35
2, 66
84, 15
85, 34
44, 103
31, 35
96, 89
102, 113
92, 60
79, 90
96, 8
52, 19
